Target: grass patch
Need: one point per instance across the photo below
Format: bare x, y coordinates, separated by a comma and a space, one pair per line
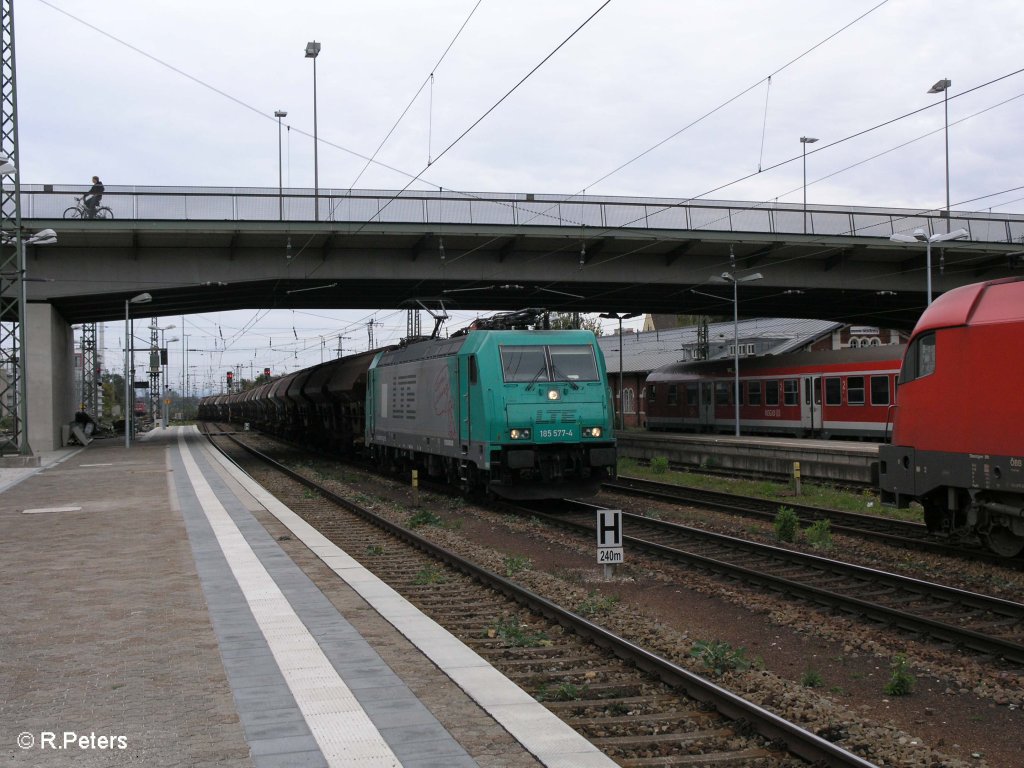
786, 525
424, 517
430, 574
513, 634
516, 564
811, 678
596, 604
819, 534
865, 501
902, 682
720, 657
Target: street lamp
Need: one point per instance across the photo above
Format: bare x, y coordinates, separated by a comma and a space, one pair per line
280, 178
804, 141
943, 87
726, 277
919, 236
312, 51
620, 316
129, 337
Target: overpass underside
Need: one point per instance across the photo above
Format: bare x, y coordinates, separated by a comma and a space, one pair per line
203, 266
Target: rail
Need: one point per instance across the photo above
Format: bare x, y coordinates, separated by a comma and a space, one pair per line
48, 201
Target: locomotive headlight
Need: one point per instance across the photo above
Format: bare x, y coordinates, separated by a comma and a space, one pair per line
520, 434
554, 394
592, 432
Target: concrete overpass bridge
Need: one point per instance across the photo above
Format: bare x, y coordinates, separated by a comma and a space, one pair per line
207, 249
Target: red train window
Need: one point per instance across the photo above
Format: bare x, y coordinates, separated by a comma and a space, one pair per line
833, 391
753, 393
879, 390
855, 390
791, 392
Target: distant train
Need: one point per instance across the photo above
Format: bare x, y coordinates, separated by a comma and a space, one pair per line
841, 393
520, 413
958, 430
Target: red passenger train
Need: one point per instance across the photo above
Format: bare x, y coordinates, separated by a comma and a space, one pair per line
958, 430
844, 392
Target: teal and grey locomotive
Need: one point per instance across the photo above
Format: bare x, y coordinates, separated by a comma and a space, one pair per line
520, 413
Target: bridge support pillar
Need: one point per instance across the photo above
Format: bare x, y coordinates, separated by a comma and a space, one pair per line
49, 344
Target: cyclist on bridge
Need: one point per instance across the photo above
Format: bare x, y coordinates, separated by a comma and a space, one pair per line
92, 198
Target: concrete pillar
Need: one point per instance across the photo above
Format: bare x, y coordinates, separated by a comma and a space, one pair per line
49, 341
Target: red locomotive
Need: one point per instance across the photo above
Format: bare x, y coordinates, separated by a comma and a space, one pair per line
844, 392
958, 435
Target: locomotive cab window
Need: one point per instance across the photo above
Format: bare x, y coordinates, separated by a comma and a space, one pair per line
920, 359
529, 363
573, 363
524, 364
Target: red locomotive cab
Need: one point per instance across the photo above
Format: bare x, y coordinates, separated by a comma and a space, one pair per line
957, 442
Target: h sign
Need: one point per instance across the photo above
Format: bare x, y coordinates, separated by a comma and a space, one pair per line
609, 536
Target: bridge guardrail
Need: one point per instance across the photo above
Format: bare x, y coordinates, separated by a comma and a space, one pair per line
48, 201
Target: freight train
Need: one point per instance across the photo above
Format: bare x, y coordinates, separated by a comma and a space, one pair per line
841, 393
519, 413
958, 428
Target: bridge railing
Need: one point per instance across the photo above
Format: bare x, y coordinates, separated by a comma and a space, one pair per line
49, 201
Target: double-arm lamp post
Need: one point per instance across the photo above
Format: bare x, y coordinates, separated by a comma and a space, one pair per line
919, 236
727, 277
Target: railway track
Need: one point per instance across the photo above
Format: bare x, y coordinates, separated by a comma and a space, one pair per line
984, 624
639, 708
884, 530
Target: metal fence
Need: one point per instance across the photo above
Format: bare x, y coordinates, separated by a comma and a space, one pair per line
49, 201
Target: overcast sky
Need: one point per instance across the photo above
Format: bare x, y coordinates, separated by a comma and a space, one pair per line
183, 93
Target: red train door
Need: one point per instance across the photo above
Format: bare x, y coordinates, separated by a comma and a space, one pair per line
810, 410
707, 405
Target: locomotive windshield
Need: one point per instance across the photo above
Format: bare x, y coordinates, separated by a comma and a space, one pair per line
549, 363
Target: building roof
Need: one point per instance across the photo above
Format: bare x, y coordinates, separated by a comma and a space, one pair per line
646, 351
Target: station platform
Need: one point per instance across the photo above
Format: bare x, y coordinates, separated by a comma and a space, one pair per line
840, 461
162, 609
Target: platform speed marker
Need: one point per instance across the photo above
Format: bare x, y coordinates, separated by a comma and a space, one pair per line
609, 536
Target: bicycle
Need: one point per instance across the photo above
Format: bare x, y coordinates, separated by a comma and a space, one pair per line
80, 211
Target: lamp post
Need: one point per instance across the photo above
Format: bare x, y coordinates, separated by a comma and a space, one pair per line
620, 316
919, 236
280, 178
943, 87
726, 277
312, 51
129, 336
804, 141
